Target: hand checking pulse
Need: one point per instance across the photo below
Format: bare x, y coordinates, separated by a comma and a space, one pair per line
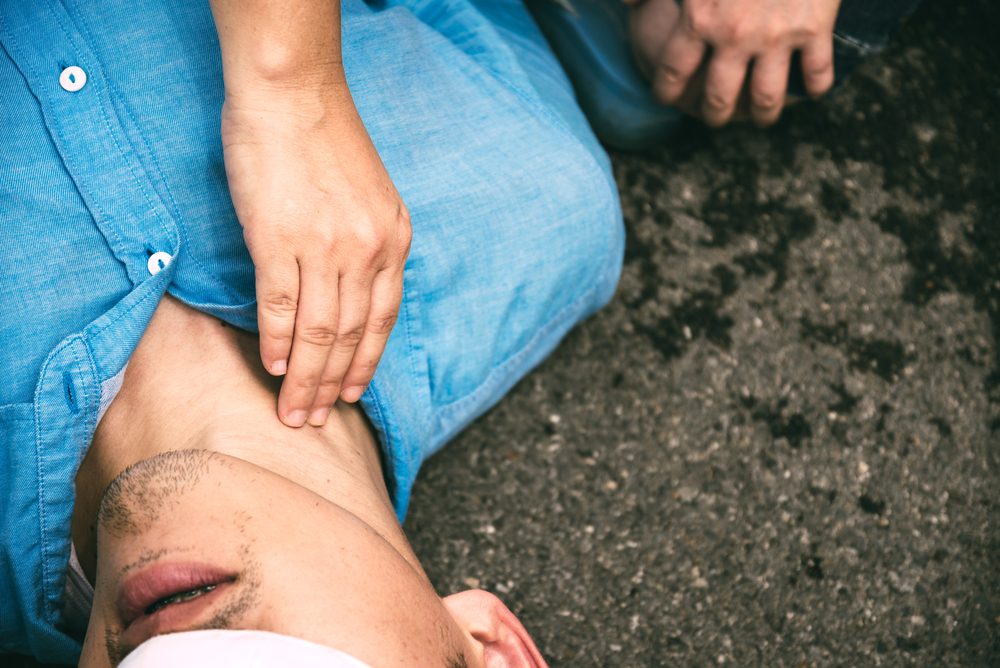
702, 54
329, 236
326, 229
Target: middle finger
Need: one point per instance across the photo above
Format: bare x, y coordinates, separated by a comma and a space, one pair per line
769, 83
355, 297
314, 335
726, 73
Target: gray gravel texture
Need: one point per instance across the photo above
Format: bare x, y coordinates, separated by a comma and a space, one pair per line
777, 446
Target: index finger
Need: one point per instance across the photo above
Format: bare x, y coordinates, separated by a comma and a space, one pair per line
769, 81
726, 74
679, 59
277, 302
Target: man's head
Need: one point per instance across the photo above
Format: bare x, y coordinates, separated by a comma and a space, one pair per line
197, 540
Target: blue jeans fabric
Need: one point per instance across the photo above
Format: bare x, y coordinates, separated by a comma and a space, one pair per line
862, 30
517, 232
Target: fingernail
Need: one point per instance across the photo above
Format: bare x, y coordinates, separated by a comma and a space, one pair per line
279, 368
318, 417
296, 418
352, 394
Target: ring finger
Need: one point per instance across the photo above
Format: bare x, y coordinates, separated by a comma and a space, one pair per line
315, 333
769, 83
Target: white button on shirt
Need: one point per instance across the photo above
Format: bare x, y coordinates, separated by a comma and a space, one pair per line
158, 261
73, 78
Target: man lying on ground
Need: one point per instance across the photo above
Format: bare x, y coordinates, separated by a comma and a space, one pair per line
142, 450
170, 481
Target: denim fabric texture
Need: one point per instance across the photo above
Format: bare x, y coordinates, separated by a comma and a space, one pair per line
517, 232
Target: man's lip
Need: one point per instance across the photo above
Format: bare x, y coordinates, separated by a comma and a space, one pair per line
175, 617
141, 590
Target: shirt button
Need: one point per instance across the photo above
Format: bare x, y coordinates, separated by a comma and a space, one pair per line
73, 78
158, 261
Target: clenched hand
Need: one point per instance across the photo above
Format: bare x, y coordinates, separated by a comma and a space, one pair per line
329, 236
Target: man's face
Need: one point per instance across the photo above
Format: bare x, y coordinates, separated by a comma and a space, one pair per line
192, 540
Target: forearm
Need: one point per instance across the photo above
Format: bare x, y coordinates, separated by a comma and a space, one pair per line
275, 45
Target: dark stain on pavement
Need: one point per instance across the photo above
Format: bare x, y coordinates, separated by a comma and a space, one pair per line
883, 357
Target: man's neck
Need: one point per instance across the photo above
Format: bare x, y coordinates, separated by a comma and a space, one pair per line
194, 383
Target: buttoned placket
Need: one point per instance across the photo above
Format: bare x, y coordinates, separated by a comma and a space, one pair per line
86, 126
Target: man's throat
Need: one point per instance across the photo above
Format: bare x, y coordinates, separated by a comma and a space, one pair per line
195, 383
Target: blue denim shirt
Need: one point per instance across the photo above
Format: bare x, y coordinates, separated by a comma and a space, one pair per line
113, 192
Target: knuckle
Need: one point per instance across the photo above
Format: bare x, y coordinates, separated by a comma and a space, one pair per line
328, 387
317, 335
734, 33
716, 101
403, 215
669, 74
721, 28
370, 243
699, 21
324, 244
772, 37
667, 90
765, 100
349, 337
808, 31
369, 254
405, 238
404, 248
278, 303
376, 238
382, 324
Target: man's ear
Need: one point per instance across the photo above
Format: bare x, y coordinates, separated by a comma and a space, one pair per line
497, 633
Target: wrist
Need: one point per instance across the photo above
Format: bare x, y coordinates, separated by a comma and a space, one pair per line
276, 46
309, 98
275, 70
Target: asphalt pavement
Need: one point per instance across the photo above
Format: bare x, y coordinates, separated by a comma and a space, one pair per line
778, 445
